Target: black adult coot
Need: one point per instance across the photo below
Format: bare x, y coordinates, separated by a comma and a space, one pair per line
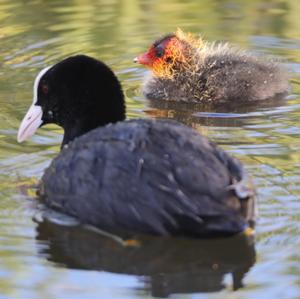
144, 176
186, 68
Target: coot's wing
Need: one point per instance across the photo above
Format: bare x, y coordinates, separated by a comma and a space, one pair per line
147, 176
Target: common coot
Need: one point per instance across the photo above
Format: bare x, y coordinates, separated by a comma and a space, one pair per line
142, 176
186, 68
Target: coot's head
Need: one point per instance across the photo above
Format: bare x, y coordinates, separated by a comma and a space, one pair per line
170, 54
79, 94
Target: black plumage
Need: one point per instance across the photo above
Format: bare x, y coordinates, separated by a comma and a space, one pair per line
146, 176
157, 177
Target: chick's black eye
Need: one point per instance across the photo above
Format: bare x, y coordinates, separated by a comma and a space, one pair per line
159, 51
45, 89
169, 59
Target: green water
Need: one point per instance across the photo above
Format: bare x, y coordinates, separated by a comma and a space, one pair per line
46, 261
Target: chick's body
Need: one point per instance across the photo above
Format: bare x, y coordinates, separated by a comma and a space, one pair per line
204, 72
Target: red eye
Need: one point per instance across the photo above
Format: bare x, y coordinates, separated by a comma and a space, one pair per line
45, 89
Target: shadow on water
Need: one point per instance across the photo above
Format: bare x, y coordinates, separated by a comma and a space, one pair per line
165, 265
211, 114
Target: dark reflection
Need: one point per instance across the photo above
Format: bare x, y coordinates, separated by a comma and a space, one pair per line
229, 114
166, 265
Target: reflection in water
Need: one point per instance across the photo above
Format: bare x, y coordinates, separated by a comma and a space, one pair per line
166, 265
229, 114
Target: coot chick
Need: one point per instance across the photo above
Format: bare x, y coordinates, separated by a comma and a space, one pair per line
186, 68
142, 176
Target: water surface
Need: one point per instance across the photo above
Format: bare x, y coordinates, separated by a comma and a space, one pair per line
43, 260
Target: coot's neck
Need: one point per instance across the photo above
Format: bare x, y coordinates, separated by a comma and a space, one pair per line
189, 66
92, 121
71, 132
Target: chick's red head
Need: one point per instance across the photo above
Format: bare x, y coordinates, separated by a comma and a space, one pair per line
162, 55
